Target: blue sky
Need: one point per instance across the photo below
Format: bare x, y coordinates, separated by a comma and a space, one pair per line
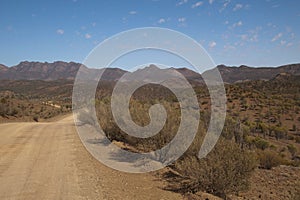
234, 32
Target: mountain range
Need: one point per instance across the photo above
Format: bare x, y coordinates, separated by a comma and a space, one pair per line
245, 73
68, 70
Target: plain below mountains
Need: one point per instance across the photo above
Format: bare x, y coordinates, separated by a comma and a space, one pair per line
68, 70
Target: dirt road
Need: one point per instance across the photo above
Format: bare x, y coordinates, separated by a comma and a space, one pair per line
48, 161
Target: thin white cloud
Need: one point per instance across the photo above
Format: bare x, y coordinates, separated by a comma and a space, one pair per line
133, 12
282, 42
254, 38
249, 38
250, 35
199, 3
211, 1
239, 23
244, 37
238, 7
247, 6
181, 19
212, 44
292, 35
285, 43
226, 3
87, 36
94, 24
276, 37
288, 29
181, 2
60, 31
229, 48
271, 25
161, 20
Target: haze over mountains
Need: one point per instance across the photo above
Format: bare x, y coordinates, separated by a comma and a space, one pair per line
68, 70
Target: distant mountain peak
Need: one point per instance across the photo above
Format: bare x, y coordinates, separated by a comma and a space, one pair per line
221, 66
151, 67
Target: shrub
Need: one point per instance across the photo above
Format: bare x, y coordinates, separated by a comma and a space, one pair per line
36, 118
269, 159
280, 132
292, 149
260, 143
224, 171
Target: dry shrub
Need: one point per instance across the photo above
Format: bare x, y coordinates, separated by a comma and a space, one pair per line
224, 171
269, 159
260, 143
140, 115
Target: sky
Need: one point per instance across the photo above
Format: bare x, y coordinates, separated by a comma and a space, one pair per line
233, 32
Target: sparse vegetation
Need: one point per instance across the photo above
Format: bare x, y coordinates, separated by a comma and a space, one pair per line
253, 133
269, 159
23, 101
261, 129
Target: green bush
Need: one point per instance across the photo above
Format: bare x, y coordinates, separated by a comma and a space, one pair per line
260, 143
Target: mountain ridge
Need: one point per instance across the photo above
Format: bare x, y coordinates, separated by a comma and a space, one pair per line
245, 73
26, 70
